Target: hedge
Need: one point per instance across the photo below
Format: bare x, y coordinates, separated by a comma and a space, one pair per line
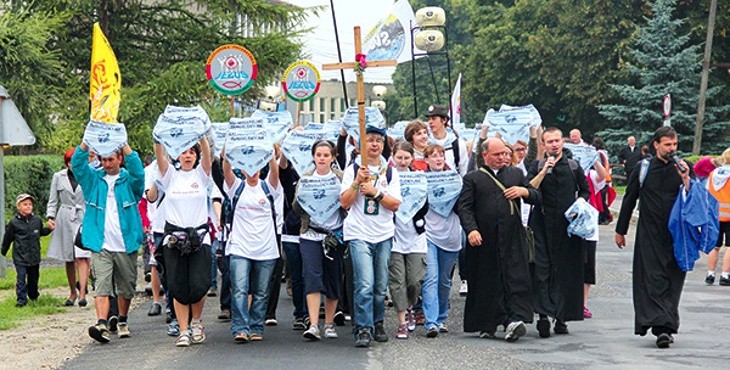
30, 174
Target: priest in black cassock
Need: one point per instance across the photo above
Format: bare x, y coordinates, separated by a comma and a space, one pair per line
496, 255
559, 258
657, 278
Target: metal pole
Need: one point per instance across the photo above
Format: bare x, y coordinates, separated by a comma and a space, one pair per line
705, 76
2, 187
433, 81
448, 72
339, 52
413, 72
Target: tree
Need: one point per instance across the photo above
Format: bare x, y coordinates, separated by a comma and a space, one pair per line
161, 47
662, 63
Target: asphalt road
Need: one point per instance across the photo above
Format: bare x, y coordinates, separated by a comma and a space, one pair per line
605, 341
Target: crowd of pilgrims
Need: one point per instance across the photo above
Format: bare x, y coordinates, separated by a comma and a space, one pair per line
205, 217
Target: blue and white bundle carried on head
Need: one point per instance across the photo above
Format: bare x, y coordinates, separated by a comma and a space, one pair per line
249, 146
105, 138
512, 123
351, 120
179, 128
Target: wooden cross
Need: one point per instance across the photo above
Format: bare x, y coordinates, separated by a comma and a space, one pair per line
360, 86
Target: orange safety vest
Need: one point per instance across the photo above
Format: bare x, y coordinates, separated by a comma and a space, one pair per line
723, 197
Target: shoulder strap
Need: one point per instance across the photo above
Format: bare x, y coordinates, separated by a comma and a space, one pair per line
457, 155
643, 171
499, 184
270, 197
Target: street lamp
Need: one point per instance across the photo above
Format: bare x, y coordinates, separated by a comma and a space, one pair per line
429, 34
379, 91
268, 102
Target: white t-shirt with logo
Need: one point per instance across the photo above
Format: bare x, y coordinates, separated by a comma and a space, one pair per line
186, 197
253, 235
407, 240
113, 239
370, 228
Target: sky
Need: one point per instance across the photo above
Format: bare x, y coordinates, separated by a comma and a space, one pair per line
320, 45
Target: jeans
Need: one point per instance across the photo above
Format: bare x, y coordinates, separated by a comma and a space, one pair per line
294, 265
214, 265
370, 277
26, 285
437, 286
247, 273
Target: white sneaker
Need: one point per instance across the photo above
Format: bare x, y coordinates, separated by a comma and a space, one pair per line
515, 330
329, 331
312, 333
463, 289
198, 332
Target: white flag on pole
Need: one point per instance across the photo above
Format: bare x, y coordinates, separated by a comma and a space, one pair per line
456, 104
391, 36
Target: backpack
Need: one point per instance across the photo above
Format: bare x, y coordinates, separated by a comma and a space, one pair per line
231, 207
643, 171
457, 155
573, 168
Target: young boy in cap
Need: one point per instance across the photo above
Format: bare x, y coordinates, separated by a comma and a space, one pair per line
24, 231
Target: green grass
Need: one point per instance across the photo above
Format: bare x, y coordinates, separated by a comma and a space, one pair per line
52, 277
620, 189
11, 316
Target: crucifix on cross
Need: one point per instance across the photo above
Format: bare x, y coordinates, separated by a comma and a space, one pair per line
359, 66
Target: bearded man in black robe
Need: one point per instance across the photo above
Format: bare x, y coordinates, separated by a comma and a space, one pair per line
657, 278
559, 258
496, 257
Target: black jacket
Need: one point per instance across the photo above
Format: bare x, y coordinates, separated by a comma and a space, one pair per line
629, 158
25, 234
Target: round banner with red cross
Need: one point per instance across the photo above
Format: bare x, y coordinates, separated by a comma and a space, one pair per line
231, 69
301, 81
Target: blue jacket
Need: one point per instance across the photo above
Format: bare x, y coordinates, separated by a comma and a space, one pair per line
694, 225
128, 192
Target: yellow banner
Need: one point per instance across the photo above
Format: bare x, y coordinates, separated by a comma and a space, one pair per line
106, 80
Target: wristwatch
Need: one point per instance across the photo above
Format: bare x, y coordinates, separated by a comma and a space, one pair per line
379, 196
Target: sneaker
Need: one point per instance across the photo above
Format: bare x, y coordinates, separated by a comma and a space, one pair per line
173, 328
224, 316
560, 327
443, 328
330, 331
255, 337
198, 331
362, 339
212, 292
155, 309
486, 335
168, 317
663, 340
587, 313
306, 322
312, 334
113, 324
100, 333
380, 334
241, 338
298, 324
148, 277
724, 281
432, 332
123, 330
339, 318
271, 322
402, 332
515, 330
411, 320
710, 279
543, 327
183, 340
463, 289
